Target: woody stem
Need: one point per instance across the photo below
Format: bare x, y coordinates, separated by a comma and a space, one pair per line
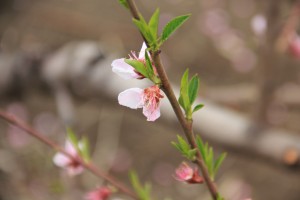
186, 124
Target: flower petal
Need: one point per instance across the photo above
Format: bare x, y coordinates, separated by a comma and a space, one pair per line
151, 115
184, 172
120, 67
73, 171
61, 160
131, 98
69, 147
142, 52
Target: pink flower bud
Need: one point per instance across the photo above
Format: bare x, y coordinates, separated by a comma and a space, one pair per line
294, 47
101, 193
185, 173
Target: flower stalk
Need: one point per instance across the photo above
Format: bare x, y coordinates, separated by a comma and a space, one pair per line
186, 123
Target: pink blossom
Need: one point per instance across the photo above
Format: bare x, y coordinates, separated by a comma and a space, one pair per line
294, 47
148, 99
185, 173
101, 193
124, 70
72, 166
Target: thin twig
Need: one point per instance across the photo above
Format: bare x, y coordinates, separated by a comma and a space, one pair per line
89, 166
185, 123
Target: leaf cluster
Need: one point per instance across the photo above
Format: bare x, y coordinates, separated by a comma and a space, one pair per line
207, 154
82, 146
188, 94
150, 30
184, 148
143, 191
206, 151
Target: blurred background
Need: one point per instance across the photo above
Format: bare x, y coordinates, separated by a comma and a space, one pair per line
55, 72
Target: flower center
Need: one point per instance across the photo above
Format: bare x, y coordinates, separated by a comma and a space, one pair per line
152, 97
74, 163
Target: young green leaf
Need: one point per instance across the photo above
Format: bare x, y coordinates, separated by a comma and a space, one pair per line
72, 137
210, 162
193, 89
219, 161
149, 66
124, 3
219, 197
198, 107
153, 23
184, 91
183, 144
143, 28
180, 101
143, 192
85, 149
138, 66
201, 147
184, 148
172, 26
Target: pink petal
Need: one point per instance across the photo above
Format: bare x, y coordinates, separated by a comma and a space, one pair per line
131, 98
151, 115
73, 171
120, 67
61, 160
142, 52
184, 172
69, 147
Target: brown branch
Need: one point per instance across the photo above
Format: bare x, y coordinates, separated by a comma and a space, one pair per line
185, 123
89, 166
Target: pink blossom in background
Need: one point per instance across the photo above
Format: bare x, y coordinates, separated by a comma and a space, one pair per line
124, 70
148, 99
72, 166
101, 193
294, 47
259, 24
185, 173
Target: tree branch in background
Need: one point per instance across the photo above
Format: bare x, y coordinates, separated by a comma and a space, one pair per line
88, 166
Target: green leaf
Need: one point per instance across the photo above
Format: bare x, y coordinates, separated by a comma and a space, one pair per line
138, 66
219, 197
180, 101
184, 90
153, 23
143, 192
143, 28
124, 3
184, 148
193, 89
192, 154
72, 137
85, 149
219, 161
149, 66
201, 147
172, 26
183, 144
198, 107
176, 146
210, 162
